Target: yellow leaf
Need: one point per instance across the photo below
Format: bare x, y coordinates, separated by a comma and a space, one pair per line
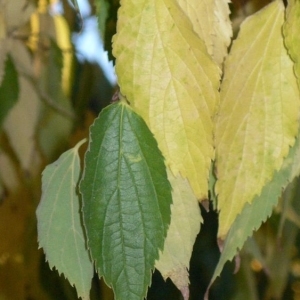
165, 72
291, 33
257, 119
186, 218
211, 22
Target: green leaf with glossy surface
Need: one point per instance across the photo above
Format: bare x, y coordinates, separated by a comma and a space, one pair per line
60, 231
258, 117
126, 200
9, 89
261, 208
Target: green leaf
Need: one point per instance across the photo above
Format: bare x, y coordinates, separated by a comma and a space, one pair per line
102, 8
291, 33
167, 75
258, 117
261, 208
9, 89
185, 224
211, 22
60, 231
126, 200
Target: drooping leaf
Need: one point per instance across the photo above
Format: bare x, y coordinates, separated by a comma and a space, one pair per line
260, 209
60, 231
257, 119
291, 33
186, 218
102, 7
9, 89
165, 72
21, 136
211, 22
126, 200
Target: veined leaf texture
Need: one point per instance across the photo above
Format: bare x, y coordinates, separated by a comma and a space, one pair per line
126, 200
168, 77
258, 116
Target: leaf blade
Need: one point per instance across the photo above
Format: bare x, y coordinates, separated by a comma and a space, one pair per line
170, 80
257, 120
60, 231
126, 200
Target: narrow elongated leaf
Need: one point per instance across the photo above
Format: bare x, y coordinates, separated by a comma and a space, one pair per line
60, 231
261, 208
165, 72
211, 22
186, 218
9, 89
126, 200
291, 33
102, 14
257, 119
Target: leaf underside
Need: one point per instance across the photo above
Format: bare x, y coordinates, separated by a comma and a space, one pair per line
126, 200
165, 72
185, 224
258, 116
60, 231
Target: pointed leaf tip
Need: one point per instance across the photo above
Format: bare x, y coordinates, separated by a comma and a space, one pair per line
126, 200
60, 232
258, 117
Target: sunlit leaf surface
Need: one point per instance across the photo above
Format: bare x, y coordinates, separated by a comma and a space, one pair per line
60, 231
126, 200
165, 72
258, 117
210, 19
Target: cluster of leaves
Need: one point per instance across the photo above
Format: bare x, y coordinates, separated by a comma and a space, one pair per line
193, 120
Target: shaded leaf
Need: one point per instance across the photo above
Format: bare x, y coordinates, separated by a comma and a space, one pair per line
165, 72
3, 52
186, 218
291, 33
60, 231
254, 214
211, 22
126, 200
102, 7
9, 89
257, 119
8, 173
20, 125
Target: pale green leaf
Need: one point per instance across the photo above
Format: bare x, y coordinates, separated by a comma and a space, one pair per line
126, 200
261, 208
165, 72
257, 119
60, 231
210, 19
186, 218
291, 33
9, 89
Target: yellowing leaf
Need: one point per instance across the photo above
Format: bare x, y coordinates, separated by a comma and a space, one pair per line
211, 22
257, 119
174, 261
166, 74
60, 230
20, 124
291, 33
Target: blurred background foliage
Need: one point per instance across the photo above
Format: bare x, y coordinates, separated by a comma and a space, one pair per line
49, 95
